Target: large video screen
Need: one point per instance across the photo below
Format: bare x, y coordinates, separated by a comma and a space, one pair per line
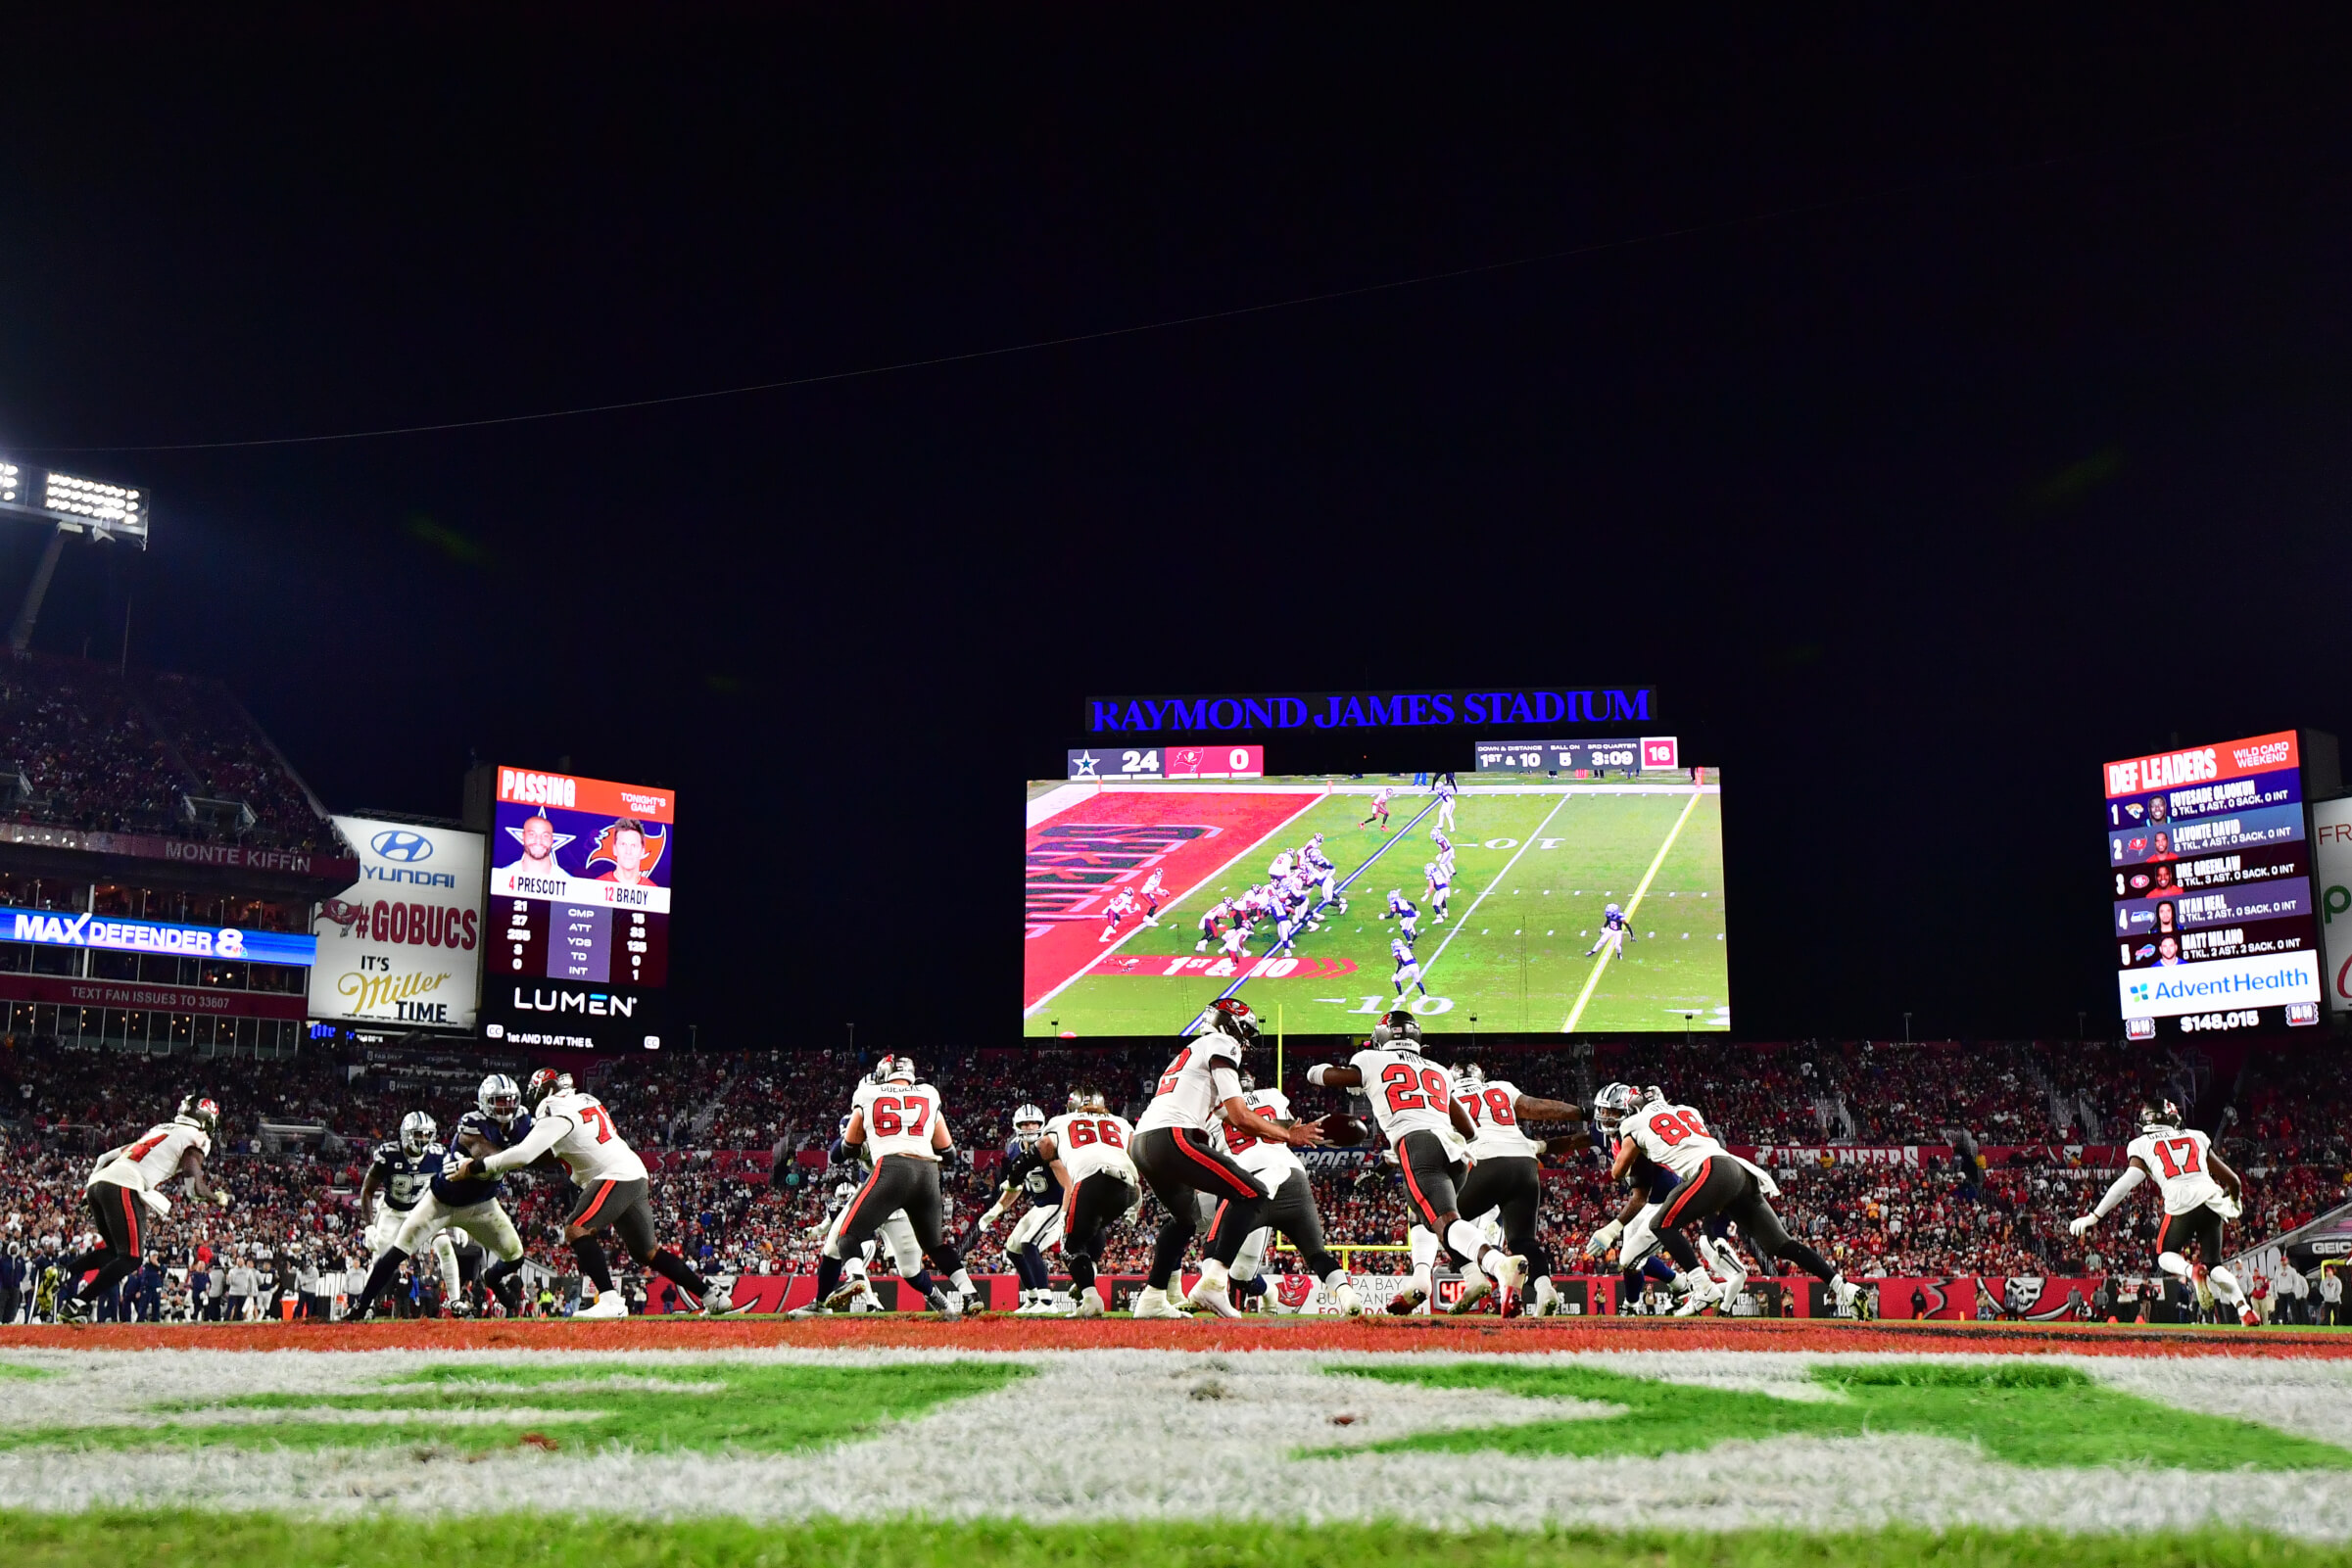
2210, 868
576, 947
1315, 900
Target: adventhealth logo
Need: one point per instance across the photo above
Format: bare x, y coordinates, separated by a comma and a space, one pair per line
2279, 979
2140, 991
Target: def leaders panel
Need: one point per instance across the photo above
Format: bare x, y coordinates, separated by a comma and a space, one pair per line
579, 910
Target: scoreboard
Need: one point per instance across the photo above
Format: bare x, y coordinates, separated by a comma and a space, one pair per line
576, 940
1574, 757
2209, 889
1110, 763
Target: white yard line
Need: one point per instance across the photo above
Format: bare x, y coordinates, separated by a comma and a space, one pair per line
1659, 859
1525, 845
1088, 967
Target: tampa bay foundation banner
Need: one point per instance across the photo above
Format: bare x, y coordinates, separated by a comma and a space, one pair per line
402, 945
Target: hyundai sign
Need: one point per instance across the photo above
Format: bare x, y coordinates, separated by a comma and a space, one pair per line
400, 947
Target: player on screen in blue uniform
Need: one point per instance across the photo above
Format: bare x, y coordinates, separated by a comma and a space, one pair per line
1441, 888
1405, 913
1320, 870
1408, 967
1616, 932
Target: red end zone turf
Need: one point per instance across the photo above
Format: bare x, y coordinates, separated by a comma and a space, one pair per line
1005, 1333
1074, 858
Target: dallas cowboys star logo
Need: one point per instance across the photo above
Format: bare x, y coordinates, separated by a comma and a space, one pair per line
1084, 762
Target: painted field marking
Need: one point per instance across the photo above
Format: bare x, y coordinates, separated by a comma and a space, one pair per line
1659, 859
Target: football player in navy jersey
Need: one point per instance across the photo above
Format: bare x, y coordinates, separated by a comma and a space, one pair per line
1028, 1176
1441, 888
399, 1176
467, 1204
1408, 967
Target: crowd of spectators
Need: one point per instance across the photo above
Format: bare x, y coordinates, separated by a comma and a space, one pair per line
1930, 1202
99, 751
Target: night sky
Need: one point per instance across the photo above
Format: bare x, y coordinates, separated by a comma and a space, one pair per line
1929, 416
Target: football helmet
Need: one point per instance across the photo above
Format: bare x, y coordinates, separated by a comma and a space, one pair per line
1398, 1029
1249, 1081
843, 1190
1469, 1073
1097, 1099
498, 1099
545, 1082
1029, 1126
1653, 1095
895, 1069
418, 1132
1611, 1105
199, 1111
1076, 1101
2161, 1113
1430, 867
1231, 1016
1611, 911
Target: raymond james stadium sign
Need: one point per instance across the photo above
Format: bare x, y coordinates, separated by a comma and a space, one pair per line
1369, 710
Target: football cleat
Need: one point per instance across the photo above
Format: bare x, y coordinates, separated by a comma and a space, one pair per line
608, 1305
1347, 1302
1150, 1303
810, 1310
1475, 1288
1402, 1303
416, 1131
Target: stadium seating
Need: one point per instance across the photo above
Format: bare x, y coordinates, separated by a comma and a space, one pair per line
713, 1123
166, 754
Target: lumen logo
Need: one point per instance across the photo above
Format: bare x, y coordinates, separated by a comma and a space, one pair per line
596, 1004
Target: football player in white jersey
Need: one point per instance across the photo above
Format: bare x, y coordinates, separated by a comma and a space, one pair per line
1402, 910
1123, 904
902, 1124
1445, 791
1151, 898
1413, 1099
2198, 1191
1379, 809
1506, 1180
1236, 941
398, 1178
1441, 888
1291, 1209
1176, 1155
1324, 875
1408, 967
614, 1190
1224, 910
1715, 1180
1086, 1147
127, 1186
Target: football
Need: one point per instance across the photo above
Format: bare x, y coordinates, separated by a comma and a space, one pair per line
1343, 1130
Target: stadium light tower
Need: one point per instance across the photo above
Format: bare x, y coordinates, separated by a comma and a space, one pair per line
68, 503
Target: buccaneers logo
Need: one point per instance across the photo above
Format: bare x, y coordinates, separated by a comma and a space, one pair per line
655, 846
1292, 1290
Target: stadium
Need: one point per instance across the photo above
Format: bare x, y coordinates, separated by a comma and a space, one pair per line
1476, 543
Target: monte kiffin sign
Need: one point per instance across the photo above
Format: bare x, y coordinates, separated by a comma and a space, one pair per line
1369, 710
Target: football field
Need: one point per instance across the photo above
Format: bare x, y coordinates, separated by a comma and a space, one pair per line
1005, 1443
1535, 867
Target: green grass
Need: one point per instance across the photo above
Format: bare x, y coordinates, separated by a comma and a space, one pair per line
2025, 1413
1518, 964
521, 1541
763, 1410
